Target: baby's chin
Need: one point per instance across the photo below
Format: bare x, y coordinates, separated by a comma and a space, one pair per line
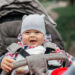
33, 45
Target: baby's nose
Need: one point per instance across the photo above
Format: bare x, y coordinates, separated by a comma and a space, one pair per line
32, 34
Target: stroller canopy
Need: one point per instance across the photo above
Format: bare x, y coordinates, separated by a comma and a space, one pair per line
11, 12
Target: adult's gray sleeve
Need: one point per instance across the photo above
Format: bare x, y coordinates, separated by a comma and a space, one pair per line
71, 70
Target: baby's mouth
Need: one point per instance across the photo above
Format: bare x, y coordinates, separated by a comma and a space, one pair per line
33, 41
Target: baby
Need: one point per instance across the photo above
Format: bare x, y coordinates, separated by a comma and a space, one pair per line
32, 39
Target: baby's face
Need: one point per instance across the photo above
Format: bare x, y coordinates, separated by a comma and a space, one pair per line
33, 38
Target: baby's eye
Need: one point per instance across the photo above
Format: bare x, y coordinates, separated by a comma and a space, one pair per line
37, 32
27, 32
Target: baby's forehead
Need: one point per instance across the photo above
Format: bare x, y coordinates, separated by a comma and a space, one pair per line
33, 31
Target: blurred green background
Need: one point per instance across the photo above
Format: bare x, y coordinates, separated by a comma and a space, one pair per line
63, 12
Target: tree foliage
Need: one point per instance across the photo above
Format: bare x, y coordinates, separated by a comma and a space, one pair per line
45, 0
52, 0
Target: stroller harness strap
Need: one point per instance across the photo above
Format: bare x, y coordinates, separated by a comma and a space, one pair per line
38, 65
14, 47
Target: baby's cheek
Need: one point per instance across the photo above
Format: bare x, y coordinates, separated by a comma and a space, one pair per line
24, 41
41, 41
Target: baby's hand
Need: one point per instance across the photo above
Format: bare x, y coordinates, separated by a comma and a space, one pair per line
6, 64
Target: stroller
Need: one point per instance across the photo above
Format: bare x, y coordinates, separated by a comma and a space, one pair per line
11, 12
